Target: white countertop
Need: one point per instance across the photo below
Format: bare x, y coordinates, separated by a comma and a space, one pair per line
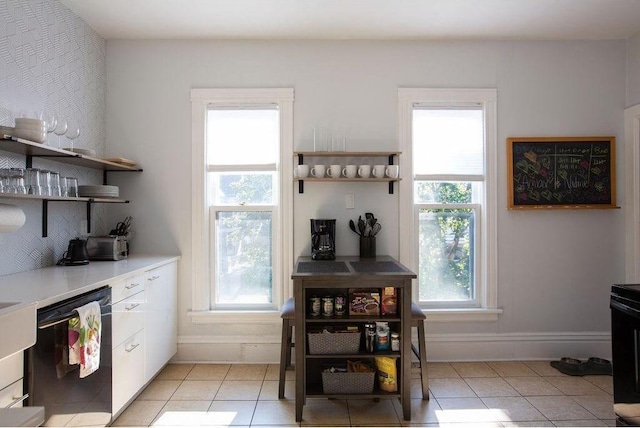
56, 283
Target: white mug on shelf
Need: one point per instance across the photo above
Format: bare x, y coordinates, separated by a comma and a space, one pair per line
378, 171
392, 171
318, 171
301, 171
364, 171
334, 171
350, 171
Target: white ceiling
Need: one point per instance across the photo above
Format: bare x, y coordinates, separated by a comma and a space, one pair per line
360, 19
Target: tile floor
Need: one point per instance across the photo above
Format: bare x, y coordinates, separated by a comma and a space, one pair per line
491, 394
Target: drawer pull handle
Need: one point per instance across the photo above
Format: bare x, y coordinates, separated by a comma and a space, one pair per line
132, 285
131, 306
17, 400
132, 347
153, 278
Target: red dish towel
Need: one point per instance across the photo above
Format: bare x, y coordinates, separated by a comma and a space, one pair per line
84, 338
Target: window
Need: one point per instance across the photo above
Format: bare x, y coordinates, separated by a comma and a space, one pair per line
448, 206
242, 153
241, 150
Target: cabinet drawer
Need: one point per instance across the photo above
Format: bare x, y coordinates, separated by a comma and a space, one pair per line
128, 287
160, 274
11, 394
128, 317
11, 369
128, 370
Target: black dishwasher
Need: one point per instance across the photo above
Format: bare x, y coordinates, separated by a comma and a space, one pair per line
625, 349
50, 382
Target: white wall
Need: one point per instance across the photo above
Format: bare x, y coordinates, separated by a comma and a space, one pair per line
633, 70
555, 267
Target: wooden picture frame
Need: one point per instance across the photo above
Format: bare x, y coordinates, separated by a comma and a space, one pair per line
561, 172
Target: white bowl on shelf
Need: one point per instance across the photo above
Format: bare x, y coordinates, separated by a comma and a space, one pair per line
22, 121
6, 130
30, 135
27, 127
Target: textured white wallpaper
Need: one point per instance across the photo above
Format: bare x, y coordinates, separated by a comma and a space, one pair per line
50, 60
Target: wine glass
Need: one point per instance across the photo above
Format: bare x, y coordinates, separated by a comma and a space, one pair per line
73, 132
60, 129
50, 122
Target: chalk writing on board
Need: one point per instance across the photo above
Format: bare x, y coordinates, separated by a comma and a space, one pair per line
561, 172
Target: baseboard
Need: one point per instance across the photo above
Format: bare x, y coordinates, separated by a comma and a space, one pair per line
440, 347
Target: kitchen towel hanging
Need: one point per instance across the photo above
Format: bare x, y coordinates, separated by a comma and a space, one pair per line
84, 338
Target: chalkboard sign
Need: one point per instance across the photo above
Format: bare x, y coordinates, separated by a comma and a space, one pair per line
562, 172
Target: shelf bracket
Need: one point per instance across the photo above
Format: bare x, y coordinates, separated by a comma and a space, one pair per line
300, 182
89, 217
45, 215
391, 182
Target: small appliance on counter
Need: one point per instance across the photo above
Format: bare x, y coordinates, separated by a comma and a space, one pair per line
323, 239
107, 247
76, 254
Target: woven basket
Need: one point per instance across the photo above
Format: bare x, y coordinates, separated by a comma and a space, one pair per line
334, 343
348, 383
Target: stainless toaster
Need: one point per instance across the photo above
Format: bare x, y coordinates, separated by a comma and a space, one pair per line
108, 247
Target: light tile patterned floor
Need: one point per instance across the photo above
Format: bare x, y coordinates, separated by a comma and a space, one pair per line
488, 394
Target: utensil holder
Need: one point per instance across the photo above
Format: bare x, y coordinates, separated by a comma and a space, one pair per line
367, 247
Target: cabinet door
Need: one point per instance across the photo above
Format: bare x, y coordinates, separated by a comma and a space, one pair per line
160, 324
128, 370
11, 369
11, 395
128, 317
125, 288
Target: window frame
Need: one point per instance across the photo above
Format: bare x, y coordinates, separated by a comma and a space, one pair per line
202, 310
485, 308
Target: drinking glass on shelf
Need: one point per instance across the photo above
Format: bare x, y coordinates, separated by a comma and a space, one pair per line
16, 185
55, 184
72, 133
70, 186
60, 129
33, 181
45, 182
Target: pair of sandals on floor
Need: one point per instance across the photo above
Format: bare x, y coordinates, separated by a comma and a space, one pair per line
575, 367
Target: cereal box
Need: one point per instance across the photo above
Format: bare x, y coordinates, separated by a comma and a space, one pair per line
389, 301
364, 302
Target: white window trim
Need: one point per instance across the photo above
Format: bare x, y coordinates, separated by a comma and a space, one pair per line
488, 288
201, 99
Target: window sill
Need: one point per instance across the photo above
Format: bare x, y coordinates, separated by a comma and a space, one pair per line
234, 317
462, 315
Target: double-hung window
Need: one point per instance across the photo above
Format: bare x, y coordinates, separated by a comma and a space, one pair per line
448, 205
245, 135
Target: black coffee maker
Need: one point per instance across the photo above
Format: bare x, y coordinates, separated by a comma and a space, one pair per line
76, 254
323, 239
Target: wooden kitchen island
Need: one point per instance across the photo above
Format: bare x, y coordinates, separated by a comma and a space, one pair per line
341, 277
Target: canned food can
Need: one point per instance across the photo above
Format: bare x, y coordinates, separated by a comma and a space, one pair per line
395, 342
314, 306
327, 306
370, 337
339, 305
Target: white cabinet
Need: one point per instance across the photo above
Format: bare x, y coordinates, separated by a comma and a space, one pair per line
11, 375
128, 340
128, 370
160, 322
